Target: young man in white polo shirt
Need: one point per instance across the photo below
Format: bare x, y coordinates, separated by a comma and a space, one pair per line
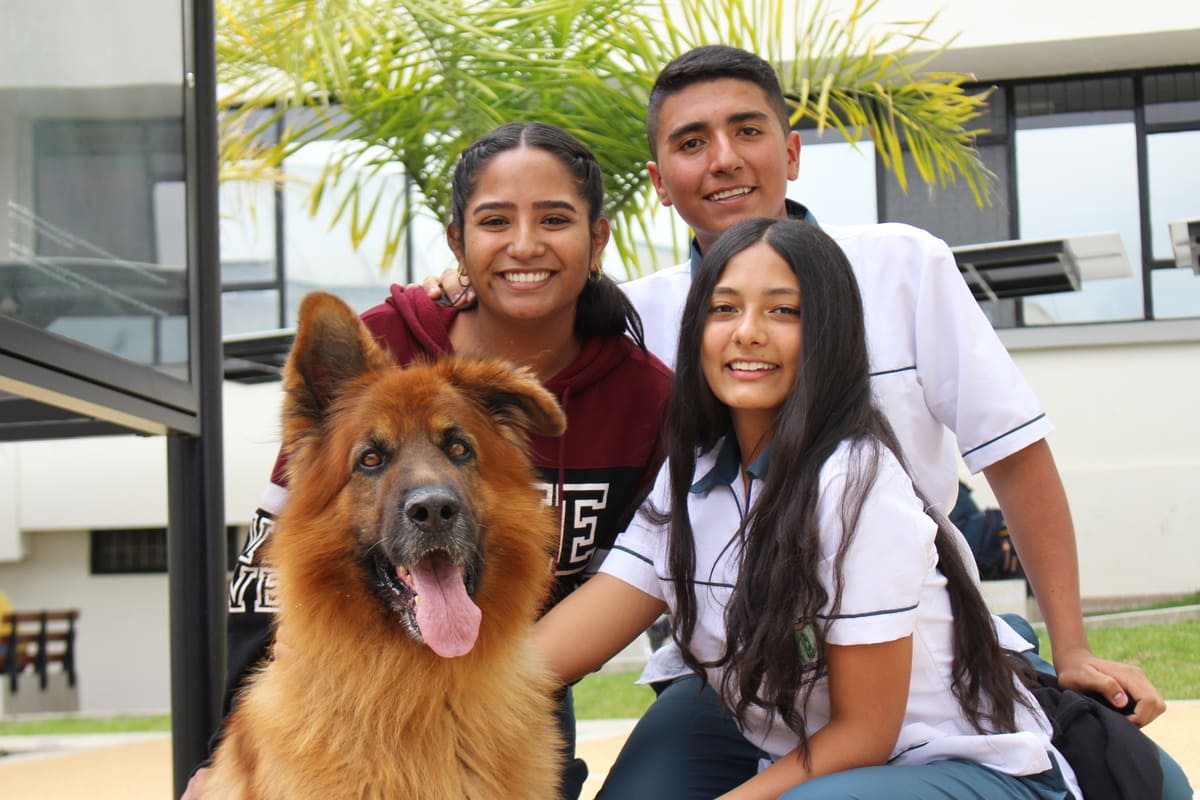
722, 151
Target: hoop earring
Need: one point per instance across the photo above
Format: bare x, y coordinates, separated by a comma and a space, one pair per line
464, 280
597, 274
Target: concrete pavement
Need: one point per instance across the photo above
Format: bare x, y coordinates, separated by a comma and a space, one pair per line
138, 766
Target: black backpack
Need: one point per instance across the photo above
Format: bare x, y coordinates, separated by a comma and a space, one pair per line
1112, 758
987, 535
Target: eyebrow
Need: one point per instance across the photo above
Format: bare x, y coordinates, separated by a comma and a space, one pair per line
779, 291
498, 205
699, 125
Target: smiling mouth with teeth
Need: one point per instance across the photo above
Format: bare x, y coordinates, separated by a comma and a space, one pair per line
728, 194
525, 277
751, 366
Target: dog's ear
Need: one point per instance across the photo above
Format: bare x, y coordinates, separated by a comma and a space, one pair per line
332, 348
510, 394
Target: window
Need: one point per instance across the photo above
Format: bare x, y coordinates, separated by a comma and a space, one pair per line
274, 250
1075, 155
951, 212
106, 256
1109, 153
1075, 179
837, 179
142, 550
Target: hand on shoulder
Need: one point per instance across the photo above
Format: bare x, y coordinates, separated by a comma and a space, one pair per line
446, 286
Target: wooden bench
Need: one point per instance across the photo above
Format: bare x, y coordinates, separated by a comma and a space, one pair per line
38, 639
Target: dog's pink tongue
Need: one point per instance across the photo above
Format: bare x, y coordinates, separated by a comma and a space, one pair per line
448, 620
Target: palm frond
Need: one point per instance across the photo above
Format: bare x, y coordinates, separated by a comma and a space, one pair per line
412, 82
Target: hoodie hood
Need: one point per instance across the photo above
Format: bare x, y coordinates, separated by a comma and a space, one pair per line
426, 322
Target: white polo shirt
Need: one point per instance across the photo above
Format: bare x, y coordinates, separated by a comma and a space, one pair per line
892, 589
940, 373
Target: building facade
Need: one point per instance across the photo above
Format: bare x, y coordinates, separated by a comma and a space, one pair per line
1093, 130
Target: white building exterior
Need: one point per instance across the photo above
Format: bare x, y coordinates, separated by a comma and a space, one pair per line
1122, 395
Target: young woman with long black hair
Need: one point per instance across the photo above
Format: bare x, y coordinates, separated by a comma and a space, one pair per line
807, 583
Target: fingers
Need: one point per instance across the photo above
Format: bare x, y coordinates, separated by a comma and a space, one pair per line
1150, 702
464, 299
433, 287
1120, 684
447, 286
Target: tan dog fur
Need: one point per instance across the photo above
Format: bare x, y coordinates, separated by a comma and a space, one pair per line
352, 706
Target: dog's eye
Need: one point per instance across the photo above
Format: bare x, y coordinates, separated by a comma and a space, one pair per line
370, 459
457, 450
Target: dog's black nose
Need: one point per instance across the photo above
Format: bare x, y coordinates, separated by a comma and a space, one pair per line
432, 508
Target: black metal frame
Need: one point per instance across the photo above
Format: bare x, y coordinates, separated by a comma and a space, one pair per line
100, 386
196, 542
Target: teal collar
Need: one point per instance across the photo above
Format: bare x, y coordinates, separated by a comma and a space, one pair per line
794, 211
727, 465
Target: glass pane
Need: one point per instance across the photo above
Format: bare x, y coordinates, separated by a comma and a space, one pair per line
1060, 98
247, 229
837, 179
250, 312
1063, 191
1176, 293
93, 238
1173, 161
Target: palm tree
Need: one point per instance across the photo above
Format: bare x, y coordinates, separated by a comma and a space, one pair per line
412, 82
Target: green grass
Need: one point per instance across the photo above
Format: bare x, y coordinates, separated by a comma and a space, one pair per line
611, 696
1169, 654
67, 725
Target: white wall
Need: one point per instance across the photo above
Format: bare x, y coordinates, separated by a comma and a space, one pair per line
41, 43
64, 489
1024, 38
122, 646
120, 482
1127, 439
1127, 443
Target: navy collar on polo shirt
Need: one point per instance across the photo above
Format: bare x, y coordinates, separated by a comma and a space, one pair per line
794, 211
728, 464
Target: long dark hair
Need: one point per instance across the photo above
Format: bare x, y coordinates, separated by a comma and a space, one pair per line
778, 590
602, 308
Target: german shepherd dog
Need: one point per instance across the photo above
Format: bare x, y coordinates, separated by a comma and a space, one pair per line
413, 556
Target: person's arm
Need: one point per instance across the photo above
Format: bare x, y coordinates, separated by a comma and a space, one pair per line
1030, 493
592, 624
975, 389
868, 692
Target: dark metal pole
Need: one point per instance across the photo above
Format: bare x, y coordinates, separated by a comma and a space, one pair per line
196, 544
